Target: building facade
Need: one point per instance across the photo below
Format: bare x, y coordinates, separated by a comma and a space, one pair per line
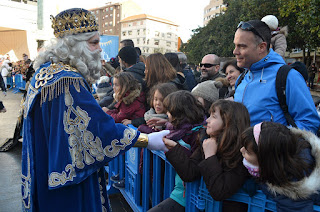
109, 16
214, 9
151, 34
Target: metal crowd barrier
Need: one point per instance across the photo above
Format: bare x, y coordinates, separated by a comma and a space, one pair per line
143, 191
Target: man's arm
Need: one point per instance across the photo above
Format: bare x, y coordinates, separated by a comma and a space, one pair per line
300, 104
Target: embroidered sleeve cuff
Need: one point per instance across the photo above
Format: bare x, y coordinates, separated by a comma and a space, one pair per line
142, 141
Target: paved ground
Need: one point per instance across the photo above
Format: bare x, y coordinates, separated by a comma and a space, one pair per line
10, 162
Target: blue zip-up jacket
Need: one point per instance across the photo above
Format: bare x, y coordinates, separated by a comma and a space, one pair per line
257, 92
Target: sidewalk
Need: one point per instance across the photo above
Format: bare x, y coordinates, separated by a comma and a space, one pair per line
10, 162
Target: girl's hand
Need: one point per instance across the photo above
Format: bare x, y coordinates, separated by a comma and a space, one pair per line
126, 121
209, 147
169, 143
105, 109
156, 122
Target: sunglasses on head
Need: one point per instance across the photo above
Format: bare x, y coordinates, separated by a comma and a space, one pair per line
248, 27
207, 65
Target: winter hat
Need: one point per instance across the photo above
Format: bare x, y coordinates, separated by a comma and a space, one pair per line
208, 90
271, 21
128, 54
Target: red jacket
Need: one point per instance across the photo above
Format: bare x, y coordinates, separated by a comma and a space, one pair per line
135, 107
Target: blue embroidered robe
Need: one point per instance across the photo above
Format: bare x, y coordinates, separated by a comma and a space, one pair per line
67, 140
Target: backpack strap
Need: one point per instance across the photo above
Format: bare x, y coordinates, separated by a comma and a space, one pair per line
281, 81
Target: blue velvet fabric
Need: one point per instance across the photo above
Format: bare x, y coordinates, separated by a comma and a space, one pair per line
67, 141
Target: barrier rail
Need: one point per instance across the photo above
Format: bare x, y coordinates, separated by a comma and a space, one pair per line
143, 191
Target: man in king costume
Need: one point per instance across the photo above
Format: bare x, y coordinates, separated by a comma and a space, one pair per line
67, 137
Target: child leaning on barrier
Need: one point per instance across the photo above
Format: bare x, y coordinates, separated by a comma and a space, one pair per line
216, 157
157, 111
186, 117
286, 162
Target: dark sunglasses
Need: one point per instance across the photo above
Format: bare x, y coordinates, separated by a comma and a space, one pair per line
248, 27
207, 65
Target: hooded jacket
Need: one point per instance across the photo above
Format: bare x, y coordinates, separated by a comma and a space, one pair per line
137, 71
131, 106
303, 194
257, 91
279, 41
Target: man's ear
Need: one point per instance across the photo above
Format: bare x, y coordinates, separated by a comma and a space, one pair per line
217, 67
263, 47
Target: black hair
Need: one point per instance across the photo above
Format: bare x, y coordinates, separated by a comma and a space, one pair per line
127, 42
128, 54
263, 29
278, 153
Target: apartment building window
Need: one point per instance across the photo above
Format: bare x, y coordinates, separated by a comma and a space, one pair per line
138, 41
169, 35
124, 33
111, 8
107, 9
130, 32
141, 23
162, 35
135, 23
138, 32
110, 30
168, 44
157, 34
107, 16
144, 31
148, 42
111, 15
156, 42
110, 23
144, 41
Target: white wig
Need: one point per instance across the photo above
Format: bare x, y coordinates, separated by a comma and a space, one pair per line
73, 50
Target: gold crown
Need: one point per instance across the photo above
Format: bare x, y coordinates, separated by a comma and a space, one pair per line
73, 21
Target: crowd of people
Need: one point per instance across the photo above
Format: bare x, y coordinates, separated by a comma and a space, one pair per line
208, 125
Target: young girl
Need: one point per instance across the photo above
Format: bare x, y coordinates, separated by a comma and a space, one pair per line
286, 163
157, 111
186, 116
216, 158
130, 100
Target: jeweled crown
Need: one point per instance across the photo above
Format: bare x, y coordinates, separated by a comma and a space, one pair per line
73, 21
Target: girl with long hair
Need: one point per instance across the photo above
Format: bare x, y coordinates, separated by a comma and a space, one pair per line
130, 101
216, 156
286, 163
186, 116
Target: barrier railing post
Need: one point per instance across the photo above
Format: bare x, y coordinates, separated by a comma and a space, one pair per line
156, 183
146, 180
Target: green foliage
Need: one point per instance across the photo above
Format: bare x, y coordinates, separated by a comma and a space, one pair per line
301, 16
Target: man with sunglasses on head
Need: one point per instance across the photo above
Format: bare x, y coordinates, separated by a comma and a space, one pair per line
209, 68
257, 90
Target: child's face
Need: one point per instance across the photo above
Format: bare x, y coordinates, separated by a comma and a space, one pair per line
158, 102
169, 116
116, 85
214, 122
250, 156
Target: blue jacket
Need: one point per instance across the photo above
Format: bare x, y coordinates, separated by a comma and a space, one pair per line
257, 92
